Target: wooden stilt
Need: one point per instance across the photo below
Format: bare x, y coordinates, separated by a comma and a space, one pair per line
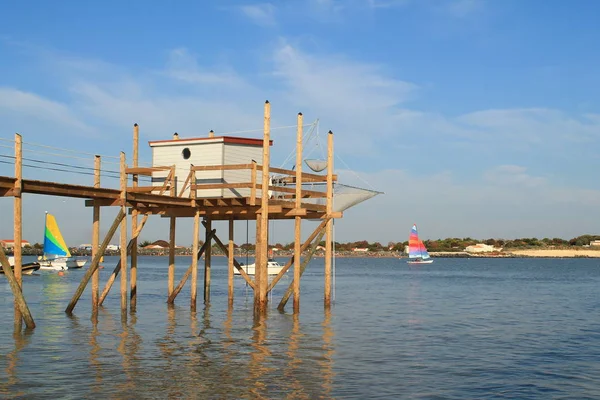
20, 302
262, 241
18, 224
194, 267
96, 240
257, 261
117, 269
230, 258
171, 277
123, 241
328, 235
298, 219
288, 292
95, 261
207, 262
134, 222
185, 277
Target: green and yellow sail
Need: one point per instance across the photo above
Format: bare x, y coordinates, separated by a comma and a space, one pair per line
53, 241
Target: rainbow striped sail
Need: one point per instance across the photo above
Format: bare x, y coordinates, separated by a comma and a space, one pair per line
54, 244
416, 248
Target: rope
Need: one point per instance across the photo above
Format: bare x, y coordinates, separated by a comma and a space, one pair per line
68, 150
7, 140
258, 130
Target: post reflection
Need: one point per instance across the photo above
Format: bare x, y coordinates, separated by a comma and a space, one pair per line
8, 386
326, 363
293, 372
257, 368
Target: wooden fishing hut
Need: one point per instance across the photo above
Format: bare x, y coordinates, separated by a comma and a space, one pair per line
214, 178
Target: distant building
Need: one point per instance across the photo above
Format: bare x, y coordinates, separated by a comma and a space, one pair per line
10, 244
112, 247
360, 249
595, 243
482, 248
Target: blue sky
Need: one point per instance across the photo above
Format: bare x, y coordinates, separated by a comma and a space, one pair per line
476, 118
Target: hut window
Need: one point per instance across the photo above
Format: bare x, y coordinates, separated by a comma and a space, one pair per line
186, 153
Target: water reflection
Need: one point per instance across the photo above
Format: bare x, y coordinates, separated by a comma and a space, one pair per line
326, 362
8, 385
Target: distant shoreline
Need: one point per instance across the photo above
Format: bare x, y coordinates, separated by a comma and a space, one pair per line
516, 253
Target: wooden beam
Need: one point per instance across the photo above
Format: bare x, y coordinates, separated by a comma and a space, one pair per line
144, 189
292, 179
95, 262
293, 259
147, 171
20, 302
207, 186
117, 269
305, 175
310, 193
221, 167
237, 265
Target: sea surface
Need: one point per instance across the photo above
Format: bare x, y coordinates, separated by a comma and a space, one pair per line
456, 329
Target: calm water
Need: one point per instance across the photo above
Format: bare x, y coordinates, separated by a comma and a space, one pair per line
456, 329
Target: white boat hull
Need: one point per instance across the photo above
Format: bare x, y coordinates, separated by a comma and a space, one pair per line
61, 264
428, 261
273, 268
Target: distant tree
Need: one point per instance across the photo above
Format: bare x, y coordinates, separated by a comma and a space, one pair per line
144, 243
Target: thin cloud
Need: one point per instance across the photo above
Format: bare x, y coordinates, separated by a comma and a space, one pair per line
260, 14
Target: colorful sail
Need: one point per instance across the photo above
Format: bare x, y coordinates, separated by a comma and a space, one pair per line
54, 243
416, 248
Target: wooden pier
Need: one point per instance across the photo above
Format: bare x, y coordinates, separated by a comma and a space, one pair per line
292, 201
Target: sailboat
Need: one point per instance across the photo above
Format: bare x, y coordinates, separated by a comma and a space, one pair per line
417, 253
57, 256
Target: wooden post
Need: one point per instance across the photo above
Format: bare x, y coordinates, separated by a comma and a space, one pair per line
20, 302
123, 241
257, 262
194, 283
96, 239
172, 226
328, 235
134, 224
230, 259
298, 219
17, 224
253, 186
262, 242
211, 134
207, 261
95, 261
171, 278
